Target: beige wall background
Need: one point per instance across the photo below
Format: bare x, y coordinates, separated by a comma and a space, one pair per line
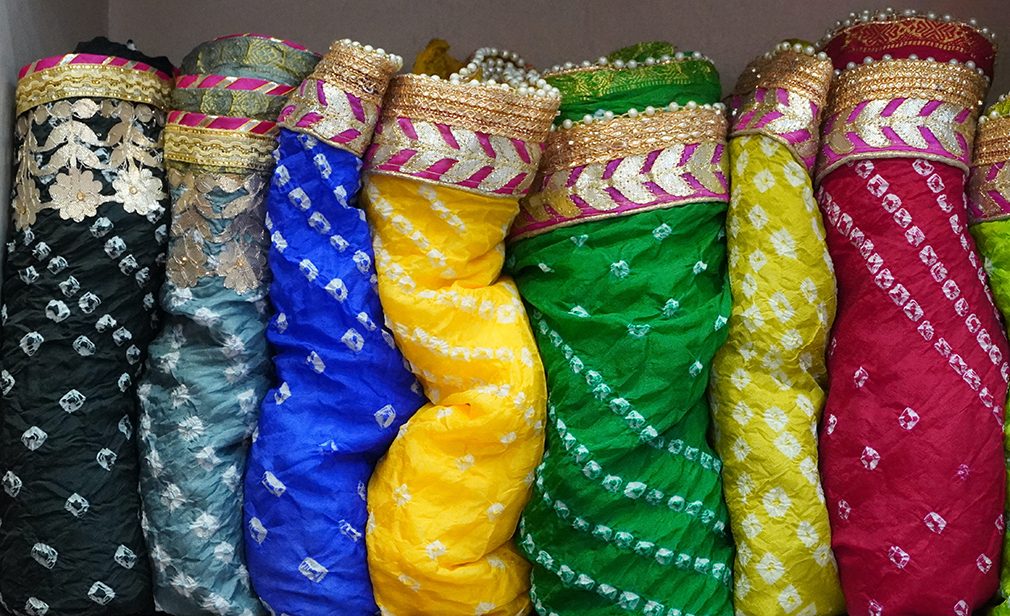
545, 32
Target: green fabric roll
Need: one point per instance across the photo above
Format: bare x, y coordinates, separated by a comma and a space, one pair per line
627, 514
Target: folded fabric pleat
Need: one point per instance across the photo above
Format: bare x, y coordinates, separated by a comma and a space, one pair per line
85, 258
911, 435
619, 254
769, 379
343, 389
209, 368
448, 164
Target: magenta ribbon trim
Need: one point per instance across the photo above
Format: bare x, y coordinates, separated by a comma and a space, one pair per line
89, 58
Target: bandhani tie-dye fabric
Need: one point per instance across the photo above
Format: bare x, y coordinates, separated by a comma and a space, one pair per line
343, 390
619, 254
445, 172
989, 214
769, 379
209, 368
911, 435
84, 260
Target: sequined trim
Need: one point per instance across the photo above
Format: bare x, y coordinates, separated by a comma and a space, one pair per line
217, 229
653, 165
490, 164
220, 141
781, 97
339, 102
479, 108
889, 79
989, 188
993, 141
584, 144
91, 75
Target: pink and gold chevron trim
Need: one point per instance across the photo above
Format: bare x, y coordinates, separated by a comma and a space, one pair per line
340, 102
220, 141
224, 82
478, 137
902, 108
633, 178
781, 95
989, 188
91, 75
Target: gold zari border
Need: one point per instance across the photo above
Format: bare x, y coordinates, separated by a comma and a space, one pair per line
623, 136
220, 148
350, 68
92, 81
803, 74
993, 142
891, 79
477, 107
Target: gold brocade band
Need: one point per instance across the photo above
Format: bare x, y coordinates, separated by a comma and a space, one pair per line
92, 80
993, 142
801, 73
478, 107
213, 147
352, 69
623, 136
951, 83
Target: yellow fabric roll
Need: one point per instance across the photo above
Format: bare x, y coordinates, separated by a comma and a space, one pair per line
445, 501
769, 379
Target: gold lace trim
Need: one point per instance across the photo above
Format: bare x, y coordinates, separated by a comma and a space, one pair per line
993, 142
350, 68
213, 147
229, 240
806, 75
477, 107
92, 80
626, 136
890, 79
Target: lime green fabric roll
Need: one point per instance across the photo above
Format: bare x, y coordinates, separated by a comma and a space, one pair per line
628, 295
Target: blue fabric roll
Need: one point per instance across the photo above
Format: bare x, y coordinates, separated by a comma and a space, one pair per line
344, 390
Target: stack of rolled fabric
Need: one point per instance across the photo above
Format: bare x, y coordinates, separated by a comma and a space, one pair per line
448, 164
911, 437
343, 389
620, 255
769, 379
989, 214
209, 368
85, 258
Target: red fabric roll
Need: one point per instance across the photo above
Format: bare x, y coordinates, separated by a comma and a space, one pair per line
911, 454
911, 436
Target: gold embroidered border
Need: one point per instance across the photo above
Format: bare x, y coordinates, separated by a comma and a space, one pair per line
92, 80
993, 142
890, 79
477, 107
804, 74
329, 121
350, 68
220, 148
626, 136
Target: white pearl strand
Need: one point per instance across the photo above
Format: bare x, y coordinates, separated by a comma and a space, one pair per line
678, 56
397, 60
888, 58
993, 113
502, 69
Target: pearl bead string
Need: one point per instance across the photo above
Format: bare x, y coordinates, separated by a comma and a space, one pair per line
603, 62
993, 113
605, 116
888, 58
392, 57
502, 69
